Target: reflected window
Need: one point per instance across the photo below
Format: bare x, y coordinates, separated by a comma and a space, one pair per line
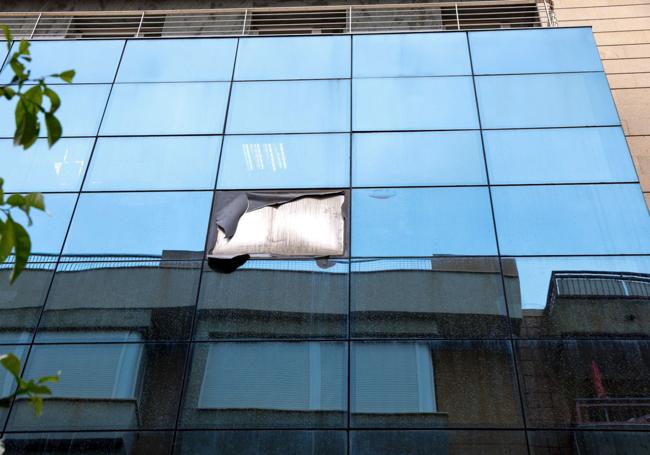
578, 297
555, 50
545, 100
576, 219
443, 158
140, 109
92, 60
151, 299
167, 60
285, 161
275, 299
435, 103
269, 384
436, 297
104, 386
566, 155
150, 224
80, 113
153, 163
40, 168
304, 57
422, 222
416, 54
433, 384
289, 107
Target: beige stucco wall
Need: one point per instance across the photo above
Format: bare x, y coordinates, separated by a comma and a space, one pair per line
622, 32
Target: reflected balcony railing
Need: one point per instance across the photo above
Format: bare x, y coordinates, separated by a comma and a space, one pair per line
613, 411
406, 17
598, 285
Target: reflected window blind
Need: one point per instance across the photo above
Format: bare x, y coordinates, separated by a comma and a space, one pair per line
392, 378
279, 376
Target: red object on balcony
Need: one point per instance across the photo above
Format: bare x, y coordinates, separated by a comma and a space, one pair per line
597, 380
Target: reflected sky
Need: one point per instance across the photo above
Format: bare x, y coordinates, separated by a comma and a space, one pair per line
198, 108
301, 57
167, 60
422, 222
153, 163
444, 158
571, 219
289, 107
555, 50
80, 112
92, 60
139, 223
40, 168
545, 100
285, 161
417, 54
435, 103
565, 155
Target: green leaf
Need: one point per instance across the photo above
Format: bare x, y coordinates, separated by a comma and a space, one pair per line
18, 68
7, 239
39, 389
35, 200
16, 200
2, 192
49, 379
27, 127
7, 33
67, 76
34, 97
11, 364
38, 405
7, 92
54, 129
55, 101
24, 47
23, 249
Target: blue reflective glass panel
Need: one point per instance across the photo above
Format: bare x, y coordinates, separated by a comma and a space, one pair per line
80, 112
534, 51
566, 155
184, 108
443, 158
177, 60
48, 229
418, 54
144, 163
545, 100
139, 223
422, 222
414, 104
285, 161
577, 219
92, 61
289, 107
60, 168
305, 57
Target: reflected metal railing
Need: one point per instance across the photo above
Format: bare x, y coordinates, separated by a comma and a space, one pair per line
623, 411
407, 17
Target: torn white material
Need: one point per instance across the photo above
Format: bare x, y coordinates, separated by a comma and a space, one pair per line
303, 227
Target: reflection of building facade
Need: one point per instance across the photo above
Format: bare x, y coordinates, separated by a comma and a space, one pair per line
491, 295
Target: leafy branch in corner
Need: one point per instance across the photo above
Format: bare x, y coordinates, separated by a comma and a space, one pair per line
32, 389
29, 94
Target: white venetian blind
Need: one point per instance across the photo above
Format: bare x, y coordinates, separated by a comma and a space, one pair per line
281, 376
392, 378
